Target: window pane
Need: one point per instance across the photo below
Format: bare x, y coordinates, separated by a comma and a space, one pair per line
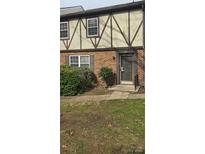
63, 26
74, 65
64, 34
84, 59
74, 59
84, 65
92, 31
92, 23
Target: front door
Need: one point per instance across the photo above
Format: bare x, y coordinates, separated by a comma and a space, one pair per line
126, 69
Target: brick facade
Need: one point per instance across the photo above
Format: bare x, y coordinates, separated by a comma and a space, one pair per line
108, 59
101, 59
141, 67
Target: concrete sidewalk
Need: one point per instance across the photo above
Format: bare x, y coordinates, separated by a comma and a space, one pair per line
114, 95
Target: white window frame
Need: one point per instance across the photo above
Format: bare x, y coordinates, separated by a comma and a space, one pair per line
68, 33
79, 63
93, 27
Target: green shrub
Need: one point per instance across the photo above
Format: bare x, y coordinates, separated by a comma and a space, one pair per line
75, 80
107, 75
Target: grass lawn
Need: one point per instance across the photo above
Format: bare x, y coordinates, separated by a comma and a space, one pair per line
108, 127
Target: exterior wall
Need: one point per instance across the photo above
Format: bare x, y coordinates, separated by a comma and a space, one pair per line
117, 31
101, 59
140, 67
117, 23
108, 59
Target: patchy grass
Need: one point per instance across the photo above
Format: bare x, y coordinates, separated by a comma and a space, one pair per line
108, 127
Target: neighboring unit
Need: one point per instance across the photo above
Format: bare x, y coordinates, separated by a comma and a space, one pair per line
110, 36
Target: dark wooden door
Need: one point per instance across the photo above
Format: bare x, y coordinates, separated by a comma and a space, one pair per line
126, 68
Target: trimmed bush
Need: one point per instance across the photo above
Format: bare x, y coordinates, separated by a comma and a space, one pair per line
75, 80
107, 75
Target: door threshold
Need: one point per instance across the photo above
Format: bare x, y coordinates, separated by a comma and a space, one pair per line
127, 82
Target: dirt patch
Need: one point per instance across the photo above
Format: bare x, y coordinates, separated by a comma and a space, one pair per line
99, 90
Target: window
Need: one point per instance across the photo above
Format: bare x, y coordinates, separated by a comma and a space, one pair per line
92, 27
80, 61
74, 61
64, 34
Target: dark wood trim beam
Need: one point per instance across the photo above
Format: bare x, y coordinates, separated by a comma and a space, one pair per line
65, 44
80, 34
102, 49
129, 27
95, 43
111, 31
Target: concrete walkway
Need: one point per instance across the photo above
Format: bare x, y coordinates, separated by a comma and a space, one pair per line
124, 88
114, 95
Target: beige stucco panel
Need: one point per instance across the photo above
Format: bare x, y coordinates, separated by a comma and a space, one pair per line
118, 40
86, 42
138, 41
136, 17
75, 44
62, 46
106, 39
122, 20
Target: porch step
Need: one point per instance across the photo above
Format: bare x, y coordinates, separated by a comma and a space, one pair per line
124, 87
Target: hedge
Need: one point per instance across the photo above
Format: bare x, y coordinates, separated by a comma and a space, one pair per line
75, 80
107, 75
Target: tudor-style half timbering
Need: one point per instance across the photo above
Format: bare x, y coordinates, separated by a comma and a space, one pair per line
116, 30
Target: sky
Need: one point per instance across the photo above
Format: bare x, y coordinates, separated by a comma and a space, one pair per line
90, 4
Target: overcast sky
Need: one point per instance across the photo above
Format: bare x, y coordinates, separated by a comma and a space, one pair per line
89, 4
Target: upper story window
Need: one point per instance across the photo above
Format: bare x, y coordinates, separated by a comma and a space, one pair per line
92, 27
64, 30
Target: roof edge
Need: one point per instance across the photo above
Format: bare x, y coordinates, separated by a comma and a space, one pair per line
108, 9
73, 7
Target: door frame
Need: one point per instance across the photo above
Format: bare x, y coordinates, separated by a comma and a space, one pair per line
120, 59
119, 52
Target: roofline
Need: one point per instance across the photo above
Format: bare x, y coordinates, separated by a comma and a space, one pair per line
73, 7
105, 10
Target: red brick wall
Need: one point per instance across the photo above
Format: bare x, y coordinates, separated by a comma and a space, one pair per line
140, 68
107, 58
101, 58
